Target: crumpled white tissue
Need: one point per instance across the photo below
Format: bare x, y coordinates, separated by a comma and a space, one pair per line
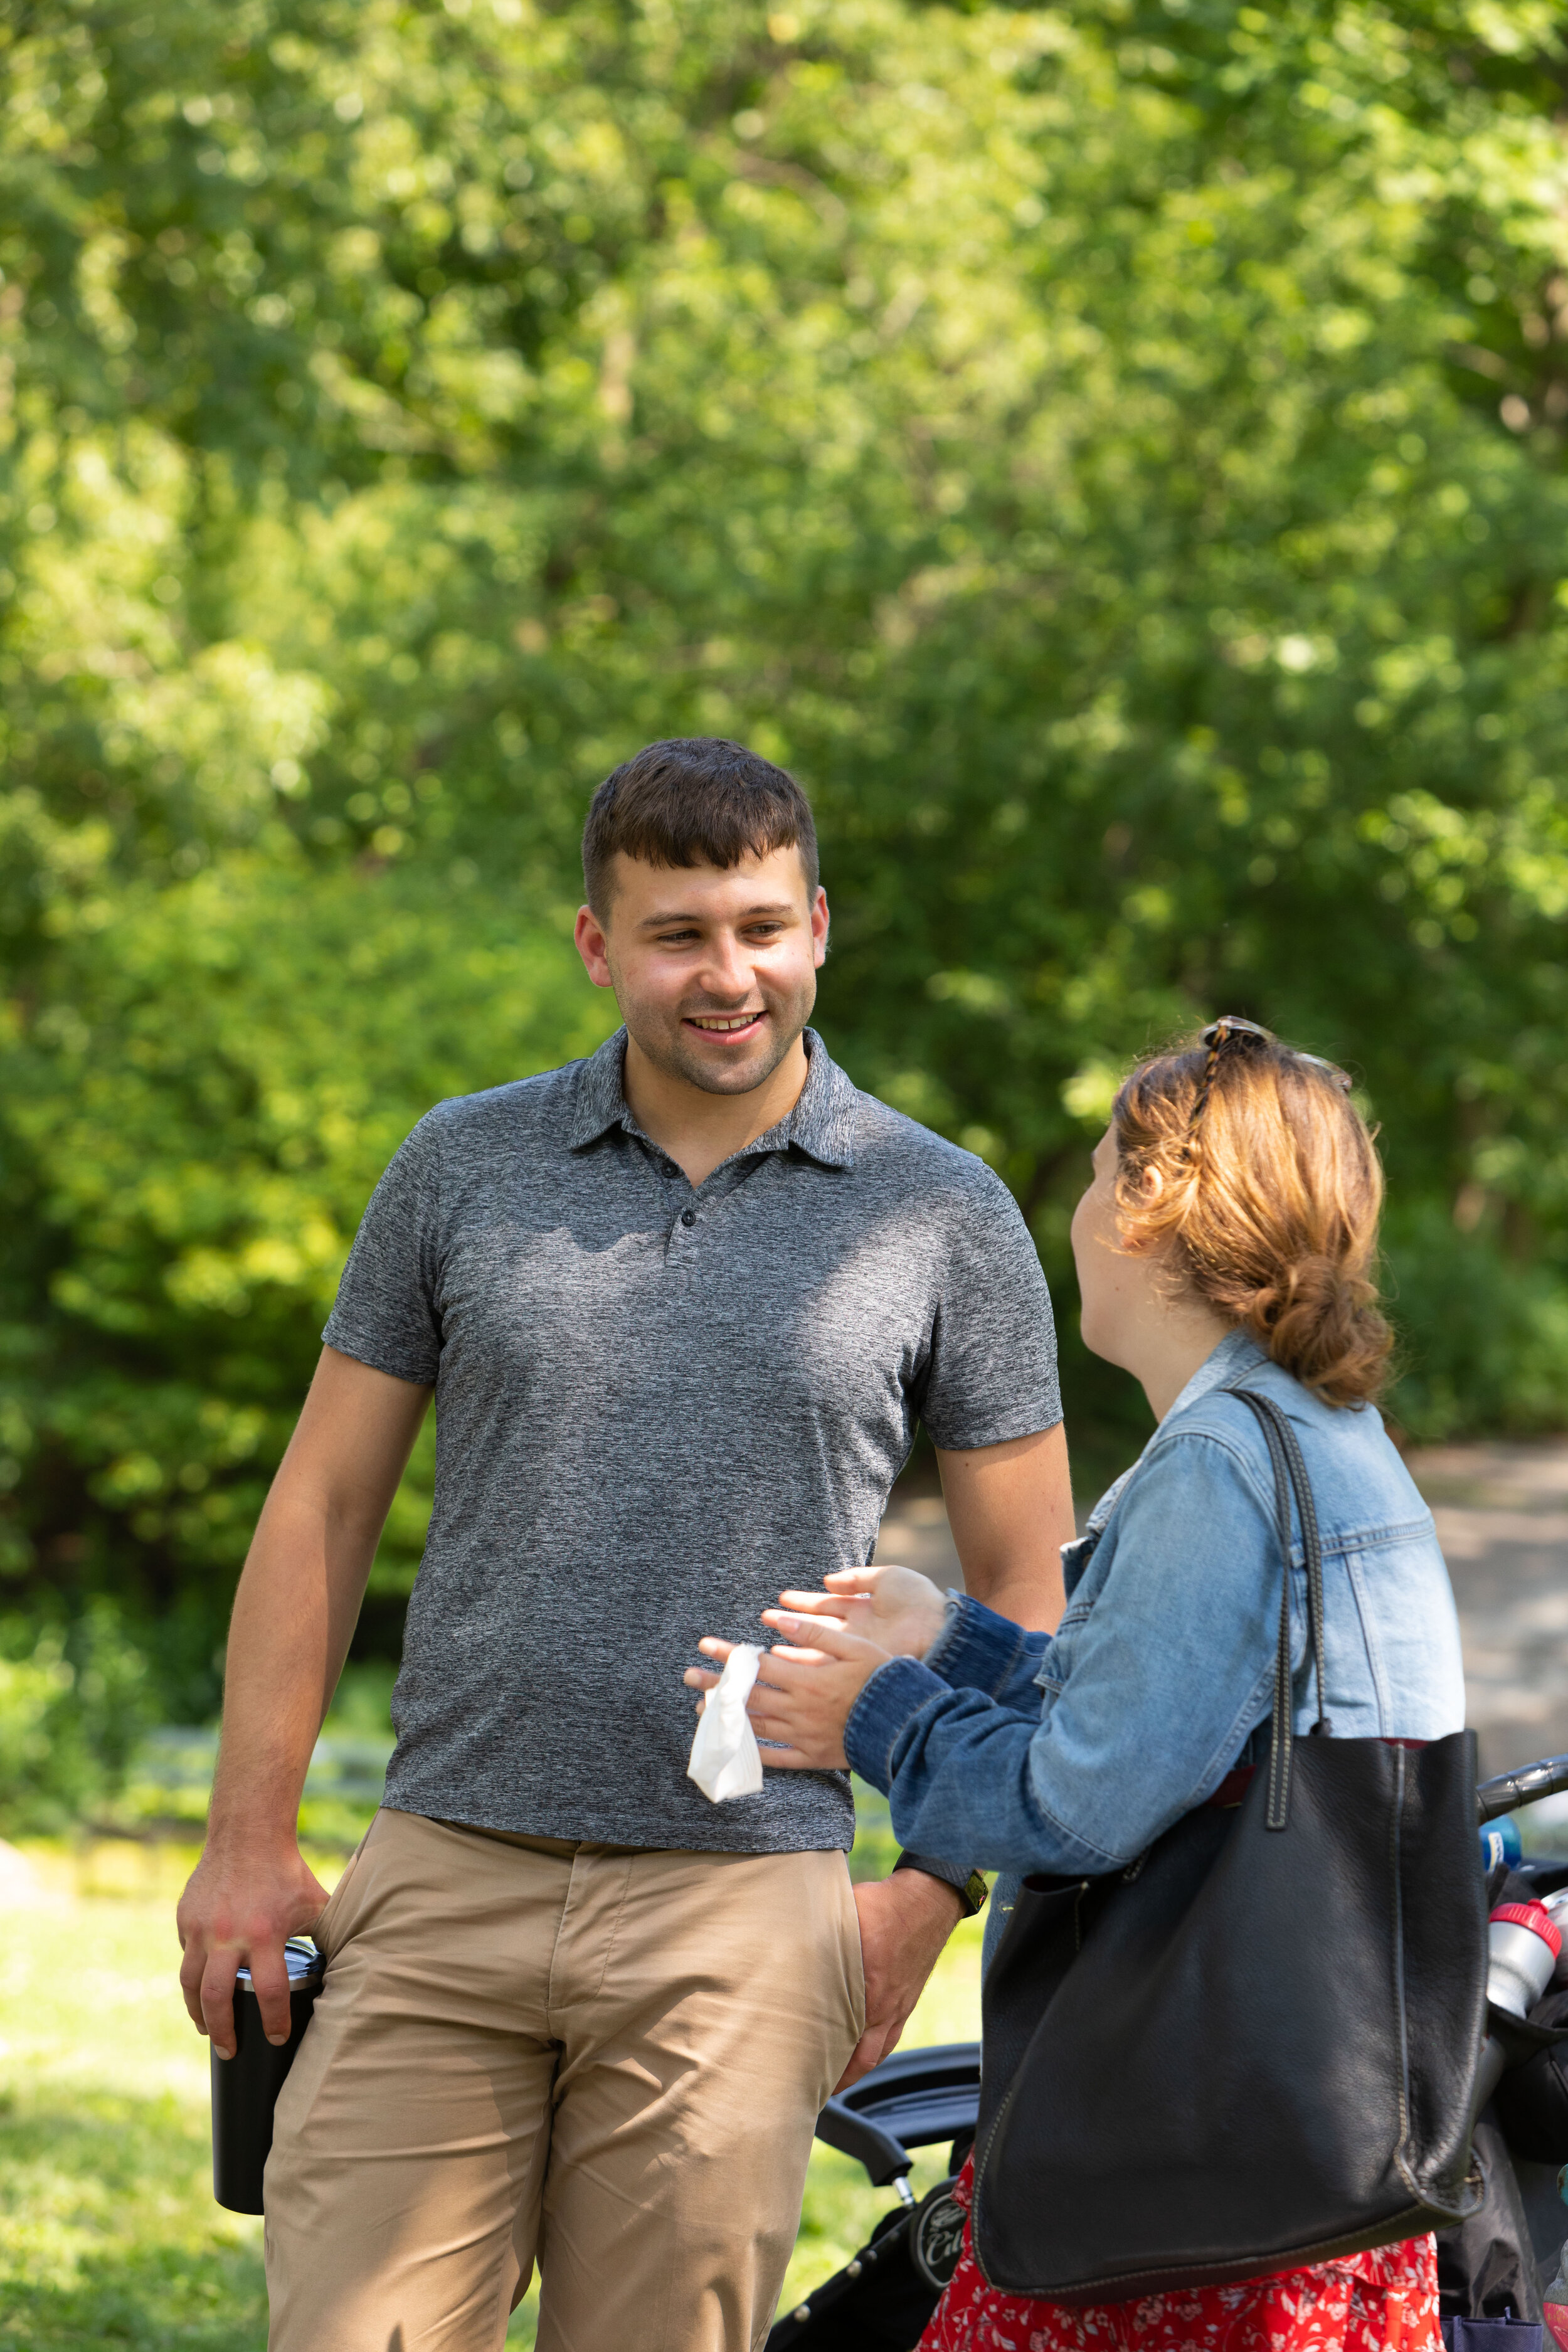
725, 1761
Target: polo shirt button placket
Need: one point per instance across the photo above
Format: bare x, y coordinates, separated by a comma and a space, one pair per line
689, 1216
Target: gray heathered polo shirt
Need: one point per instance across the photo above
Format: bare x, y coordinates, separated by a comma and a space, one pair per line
655, 1407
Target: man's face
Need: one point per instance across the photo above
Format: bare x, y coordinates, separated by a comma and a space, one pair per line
714, 969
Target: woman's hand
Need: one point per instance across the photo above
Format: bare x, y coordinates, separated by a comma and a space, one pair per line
900, 1609
801, 1699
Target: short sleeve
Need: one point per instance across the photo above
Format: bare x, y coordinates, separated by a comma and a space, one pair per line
387, 1312
992, 1371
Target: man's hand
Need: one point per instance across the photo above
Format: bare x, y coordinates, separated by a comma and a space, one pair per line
239, 1907
905, 1920
900, 1609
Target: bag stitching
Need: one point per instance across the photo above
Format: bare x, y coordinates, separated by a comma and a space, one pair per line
1399, 2159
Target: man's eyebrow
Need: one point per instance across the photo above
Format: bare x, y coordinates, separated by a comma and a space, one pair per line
747, 915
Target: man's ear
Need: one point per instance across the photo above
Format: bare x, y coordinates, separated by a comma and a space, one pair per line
820, 921
592, 946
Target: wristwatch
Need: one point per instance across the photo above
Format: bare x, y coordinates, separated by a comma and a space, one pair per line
969, 1885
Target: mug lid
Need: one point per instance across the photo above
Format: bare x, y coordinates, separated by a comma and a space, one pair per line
301, 1958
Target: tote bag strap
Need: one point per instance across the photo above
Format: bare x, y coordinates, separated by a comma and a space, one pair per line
1289, 1472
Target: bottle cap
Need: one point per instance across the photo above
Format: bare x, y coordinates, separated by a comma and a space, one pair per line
1536, 1917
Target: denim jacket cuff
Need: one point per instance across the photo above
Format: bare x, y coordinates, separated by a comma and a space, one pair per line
938, 1648
895, 1692
977, 1649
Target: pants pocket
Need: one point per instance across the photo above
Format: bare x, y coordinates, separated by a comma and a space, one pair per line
330, 1929
854, 1957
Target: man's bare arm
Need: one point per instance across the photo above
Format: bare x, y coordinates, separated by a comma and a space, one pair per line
294, 1615
1010, 1509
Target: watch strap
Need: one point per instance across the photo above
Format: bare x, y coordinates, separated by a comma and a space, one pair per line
969, 1885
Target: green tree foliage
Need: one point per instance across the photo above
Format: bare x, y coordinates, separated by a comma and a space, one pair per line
1113, 452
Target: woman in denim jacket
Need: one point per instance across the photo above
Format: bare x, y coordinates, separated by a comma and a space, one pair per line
1225, 1241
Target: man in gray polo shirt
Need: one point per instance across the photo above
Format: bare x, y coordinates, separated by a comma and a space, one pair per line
680, 1306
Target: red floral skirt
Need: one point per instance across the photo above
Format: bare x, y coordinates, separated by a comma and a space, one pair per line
1383, 2302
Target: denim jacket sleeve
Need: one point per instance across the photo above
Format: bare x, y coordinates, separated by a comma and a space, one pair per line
978, 1650
1149, 1691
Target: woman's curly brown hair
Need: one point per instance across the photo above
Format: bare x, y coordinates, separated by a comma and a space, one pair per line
1267, 1201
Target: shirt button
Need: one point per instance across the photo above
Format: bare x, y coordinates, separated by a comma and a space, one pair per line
689, 1216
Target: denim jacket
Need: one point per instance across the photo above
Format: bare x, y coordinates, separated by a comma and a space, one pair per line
1021, 1752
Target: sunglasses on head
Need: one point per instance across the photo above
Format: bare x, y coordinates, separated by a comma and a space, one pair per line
1231, 1028
1231, 1024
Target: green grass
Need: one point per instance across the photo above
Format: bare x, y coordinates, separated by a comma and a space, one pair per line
108, 2231
108, 2235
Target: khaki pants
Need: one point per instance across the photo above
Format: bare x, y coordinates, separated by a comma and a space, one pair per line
603, 2059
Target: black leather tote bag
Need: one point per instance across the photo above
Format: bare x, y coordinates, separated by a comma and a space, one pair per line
1255, 2048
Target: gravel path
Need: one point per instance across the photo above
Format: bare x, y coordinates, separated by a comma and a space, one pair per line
1503, 1520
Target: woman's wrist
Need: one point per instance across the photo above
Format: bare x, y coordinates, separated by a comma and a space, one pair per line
882, 1706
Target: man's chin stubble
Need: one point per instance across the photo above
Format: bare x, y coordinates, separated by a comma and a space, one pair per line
711, 1077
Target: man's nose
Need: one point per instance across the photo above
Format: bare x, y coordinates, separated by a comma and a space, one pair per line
727, 969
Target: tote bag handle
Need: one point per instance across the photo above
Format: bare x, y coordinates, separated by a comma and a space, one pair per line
1289, 1472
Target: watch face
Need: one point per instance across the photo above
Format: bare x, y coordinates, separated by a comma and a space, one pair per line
936, 2235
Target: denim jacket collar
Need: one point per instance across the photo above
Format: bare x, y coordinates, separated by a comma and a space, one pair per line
1235, 1354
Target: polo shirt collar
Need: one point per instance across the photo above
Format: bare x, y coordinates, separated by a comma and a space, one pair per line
821, 1124
600, 1102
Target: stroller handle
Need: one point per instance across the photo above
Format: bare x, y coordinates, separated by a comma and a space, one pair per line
1506, 1791
886, 2158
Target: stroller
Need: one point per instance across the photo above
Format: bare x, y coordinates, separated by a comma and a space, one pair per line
1497, 2263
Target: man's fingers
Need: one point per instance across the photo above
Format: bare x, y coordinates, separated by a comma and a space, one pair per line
217, 2003
867, 2052
190, 1969
849, 1580
891, 2038
269, 1981
697, 1678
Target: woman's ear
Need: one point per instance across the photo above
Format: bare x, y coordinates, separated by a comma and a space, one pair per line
1151, 1191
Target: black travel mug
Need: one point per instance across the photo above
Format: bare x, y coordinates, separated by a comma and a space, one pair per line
246, 2086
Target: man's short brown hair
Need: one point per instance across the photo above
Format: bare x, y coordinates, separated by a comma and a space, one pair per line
698, 800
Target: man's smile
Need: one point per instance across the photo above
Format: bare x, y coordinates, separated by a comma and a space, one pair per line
725, 1024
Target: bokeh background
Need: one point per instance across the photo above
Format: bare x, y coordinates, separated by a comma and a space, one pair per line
1113, 452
